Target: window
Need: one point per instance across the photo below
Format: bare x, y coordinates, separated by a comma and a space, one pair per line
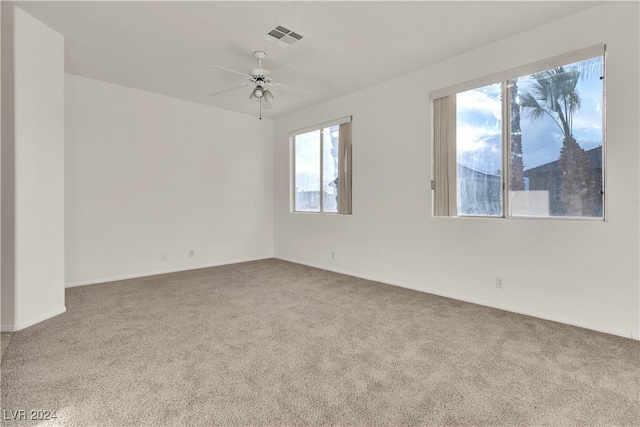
525, 143
322, 168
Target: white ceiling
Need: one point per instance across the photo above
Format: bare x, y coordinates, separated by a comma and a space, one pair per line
168, 47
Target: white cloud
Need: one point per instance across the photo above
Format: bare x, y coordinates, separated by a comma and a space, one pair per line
479, 117
485, 99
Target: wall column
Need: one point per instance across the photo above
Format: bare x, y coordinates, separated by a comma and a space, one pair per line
32, 171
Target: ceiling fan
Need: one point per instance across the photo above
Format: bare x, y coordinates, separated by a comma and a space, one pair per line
259, 80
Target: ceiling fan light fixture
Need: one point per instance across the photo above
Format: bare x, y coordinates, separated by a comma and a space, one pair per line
268, 96
257, 93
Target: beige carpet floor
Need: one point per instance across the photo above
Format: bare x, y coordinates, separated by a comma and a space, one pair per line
279, 344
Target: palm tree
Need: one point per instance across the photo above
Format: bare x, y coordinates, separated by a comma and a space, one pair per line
553, 93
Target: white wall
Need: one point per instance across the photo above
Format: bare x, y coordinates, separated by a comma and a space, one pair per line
147, 174
33, 173
578, 272
2, 48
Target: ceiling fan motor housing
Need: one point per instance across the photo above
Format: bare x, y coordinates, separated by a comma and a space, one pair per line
258, 72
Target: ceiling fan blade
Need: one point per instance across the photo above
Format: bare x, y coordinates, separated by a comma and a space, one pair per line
231, 71
228, 89
278, 85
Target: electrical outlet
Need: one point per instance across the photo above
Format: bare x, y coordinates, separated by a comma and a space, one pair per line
165, 256
192, 253
499, 283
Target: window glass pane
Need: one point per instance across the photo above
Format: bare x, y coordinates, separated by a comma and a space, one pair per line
556, 141
307, 171
330, 169
478, 151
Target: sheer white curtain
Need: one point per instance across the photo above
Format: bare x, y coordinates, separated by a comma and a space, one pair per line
344, 170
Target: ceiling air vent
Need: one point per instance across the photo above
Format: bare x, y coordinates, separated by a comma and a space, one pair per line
282, 36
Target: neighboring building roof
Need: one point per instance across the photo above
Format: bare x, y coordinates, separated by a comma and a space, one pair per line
595, 157
467, 172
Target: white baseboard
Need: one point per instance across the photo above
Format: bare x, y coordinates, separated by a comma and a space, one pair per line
155, 273
20, 326
541, 315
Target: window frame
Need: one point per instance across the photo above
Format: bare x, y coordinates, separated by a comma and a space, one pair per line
446, 206
344, 161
